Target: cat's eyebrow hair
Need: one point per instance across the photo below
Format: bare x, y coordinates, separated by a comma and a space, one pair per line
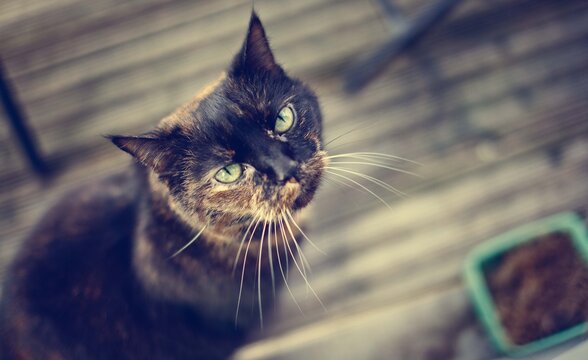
289, 100
223, 152
236, 108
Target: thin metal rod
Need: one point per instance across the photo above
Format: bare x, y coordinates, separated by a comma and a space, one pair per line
364, 71
17, 120
393, 12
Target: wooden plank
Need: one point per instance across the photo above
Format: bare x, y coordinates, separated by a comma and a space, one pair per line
416, 330
175, 23
178, 52
15, 13
152, 16
425, 74
91, 67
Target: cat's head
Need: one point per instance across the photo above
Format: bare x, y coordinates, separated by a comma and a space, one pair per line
249, 145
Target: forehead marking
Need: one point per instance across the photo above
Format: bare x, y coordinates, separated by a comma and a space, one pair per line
183, 115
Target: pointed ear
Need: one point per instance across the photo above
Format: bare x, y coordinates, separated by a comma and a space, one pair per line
149, 150
255, 54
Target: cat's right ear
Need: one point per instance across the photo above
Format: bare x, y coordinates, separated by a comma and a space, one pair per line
255, 55
150, 151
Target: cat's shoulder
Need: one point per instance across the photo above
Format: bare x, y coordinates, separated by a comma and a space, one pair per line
96, 212
96, 215
93, 205
75, 254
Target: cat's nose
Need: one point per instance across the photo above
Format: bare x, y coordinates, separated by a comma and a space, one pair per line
285, 171
281, 167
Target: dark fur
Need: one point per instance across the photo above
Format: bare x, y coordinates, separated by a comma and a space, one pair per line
95, 279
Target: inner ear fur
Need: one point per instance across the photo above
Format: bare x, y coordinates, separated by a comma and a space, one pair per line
150, 150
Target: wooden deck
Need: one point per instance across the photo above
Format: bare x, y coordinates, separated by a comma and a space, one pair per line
492, 103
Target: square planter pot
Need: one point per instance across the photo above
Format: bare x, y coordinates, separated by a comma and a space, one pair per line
481, 259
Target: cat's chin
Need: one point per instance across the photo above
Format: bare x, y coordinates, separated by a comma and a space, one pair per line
312, 172
303, 200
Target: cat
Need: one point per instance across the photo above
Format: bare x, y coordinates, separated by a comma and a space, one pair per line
167, 259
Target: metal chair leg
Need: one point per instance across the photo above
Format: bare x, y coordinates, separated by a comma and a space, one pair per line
364, 71
17, 120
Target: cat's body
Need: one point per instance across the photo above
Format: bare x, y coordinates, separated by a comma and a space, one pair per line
105, 274
73, 293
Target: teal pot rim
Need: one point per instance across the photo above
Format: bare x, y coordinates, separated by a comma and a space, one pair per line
479, 292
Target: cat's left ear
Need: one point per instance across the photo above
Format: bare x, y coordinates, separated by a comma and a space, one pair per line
150, 150
255, 54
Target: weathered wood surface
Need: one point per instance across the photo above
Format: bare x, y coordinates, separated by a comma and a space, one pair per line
491, 103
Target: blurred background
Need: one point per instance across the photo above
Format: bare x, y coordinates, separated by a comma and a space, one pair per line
490, 100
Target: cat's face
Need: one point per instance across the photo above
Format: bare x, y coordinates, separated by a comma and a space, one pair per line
248, 146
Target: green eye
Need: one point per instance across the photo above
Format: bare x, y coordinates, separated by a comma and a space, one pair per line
229, 173
285, 120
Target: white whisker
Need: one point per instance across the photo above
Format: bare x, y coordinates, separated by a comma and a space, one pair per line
303, 234
376, 165
284, 240
243, 240
361, 126
380, 161
372, 155
360, 185
271, 261
371, 179
243, 270
303, 259
282, 269
298, 267
259, 274
189, 242
339, 182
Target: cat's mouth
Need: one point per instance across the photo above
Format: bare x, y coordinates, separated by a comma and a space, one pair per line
297, 192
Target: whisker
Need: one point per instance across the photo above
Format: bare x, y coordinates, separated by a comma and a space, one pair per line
282, 269
259, 274
371, 179
360, 185
341, 135
303, 234
380, 161
189, 242
344, 144
373, 155
377, 165
243, 240
269, 252
298, 267
303, 262
369, 158
281, 219
362, 125
303, 259
243, 270
339, 182
287, 244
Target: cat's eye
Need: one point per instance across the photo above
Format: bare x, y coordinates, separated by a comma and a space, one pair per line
285, 120
229, 173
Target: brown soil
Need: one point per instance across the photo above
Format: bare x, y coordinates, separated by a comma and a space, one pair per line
539, 288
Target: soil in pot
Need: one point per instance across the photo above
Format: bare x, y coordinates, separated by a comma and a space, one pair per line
539, 288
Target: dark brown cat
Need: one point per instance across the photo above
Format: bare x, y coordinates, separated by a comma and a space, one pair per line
108, 273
